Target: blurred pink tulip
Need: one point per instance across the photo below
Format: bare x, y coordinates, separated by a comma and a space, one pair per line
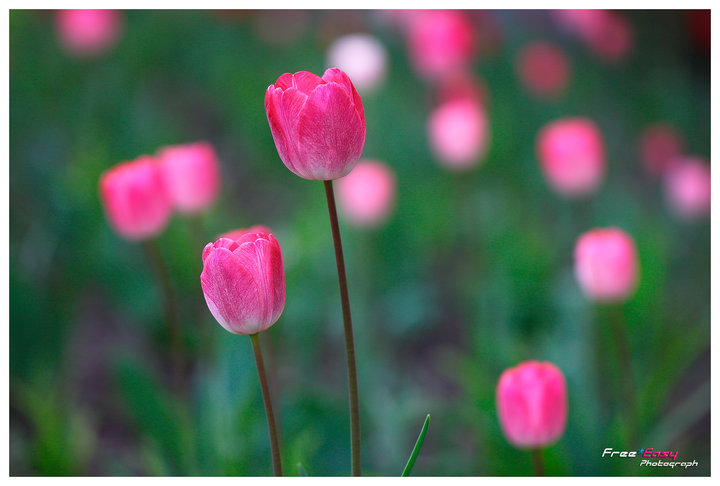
572, 156
440, 42
687, 187
136, 202
88, 32
606, 265
318, 124
362, 57
543, 69
244, 282
366, 195
608, 34
236, 234
532, 404
191, 175
660, 144
459, 133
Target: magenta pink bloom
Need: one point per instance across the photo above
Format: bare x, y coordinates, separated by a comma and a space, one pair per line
441, 42
687, 187
543, 69
458, 131
244, 282
318, 123
238, 233
136, 202
88, 32
572, 156
532, 404
366, 195
660, 145
606, 265
191, 174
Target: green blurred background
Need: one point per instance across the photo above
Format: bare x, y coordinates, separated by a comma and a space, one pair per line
471, 275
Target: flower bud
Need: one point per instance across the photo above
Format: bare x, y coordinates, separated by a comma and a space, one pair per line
532, 404
191, 175
687, 187
458, 133
366, 195
362, 57
572, 156
606, 265
318, 124
244, 282
136, 202
86, 33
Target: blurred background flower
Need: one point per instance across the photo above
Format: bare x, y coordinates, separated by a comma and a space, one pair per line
471, 273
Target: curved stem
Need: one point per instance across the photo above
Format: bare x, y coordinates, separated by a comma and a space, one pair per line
538, 462
272, 429
349, 341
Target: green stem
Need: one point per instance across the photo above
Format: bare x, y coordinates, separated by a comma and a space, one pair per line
537, 462
272, 429
349, 342
170, 307
416, 450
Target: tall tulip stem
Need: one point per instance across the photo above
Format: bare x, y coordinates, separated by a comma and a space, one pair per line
349, 341
272, 429
170, 306
538, 462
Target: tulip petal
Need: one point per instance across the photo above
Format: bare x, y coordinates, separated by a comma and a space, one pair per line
335, 75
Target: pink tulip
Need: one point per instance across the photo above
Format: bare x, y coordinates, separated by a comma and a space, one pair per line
191, 175
318, 123
687, 187
458, 132
608, 34
367, 194
532, 404
660, 145
244, 282
238, 233
136, 202
362, 57
606, 265
88, 32
440, 42
543, 69
572, 156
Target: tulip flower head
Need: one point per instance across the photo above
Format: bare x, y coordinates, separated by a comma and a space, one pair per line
572, 156
362, 57
660, 145
191, 175
687, 187
86, 33
244, 282
543, 69
318, 123
366, 195
532, 404
606, 265
136, 202
458, 132
608, 34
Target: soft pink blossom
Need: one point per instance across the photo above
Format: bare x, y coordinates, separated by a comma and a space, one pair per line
543, 69
88, 32
362, 57
572, 156
191, 174
367, 194
608, 34
532, 404
318, 124
606, 265
687, 187
244, 282
136, 202
458, 131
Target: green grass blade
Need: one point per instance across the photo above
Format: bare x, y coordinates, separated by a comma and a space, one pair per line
416, 449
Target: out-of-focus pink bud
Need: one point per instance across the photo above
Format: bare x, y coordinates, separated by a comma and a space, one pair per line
362, 57
440, 42
366, 195
606, 265
236, 234
88, 32
532, 404
572, 156
136, 202
459, 133
607, 33
660, 144
543, 69
244, 282
318, 124
687, 187
191, 175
